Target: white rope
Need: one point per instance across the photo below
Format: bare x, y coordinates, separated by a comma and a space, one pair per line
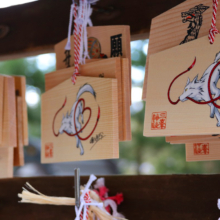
84, 11
83, 203
68, 45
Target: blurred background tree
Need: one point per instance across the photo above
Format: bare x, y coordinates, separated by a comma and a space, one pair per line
140, 156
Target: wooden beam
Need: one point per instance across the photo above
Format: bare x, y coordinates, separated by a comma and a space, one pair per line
145, 197
35, 28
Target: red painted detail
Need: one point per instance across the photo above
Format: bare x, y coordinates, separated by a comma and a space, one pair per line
209, 89
201, 149
49, 150
158, 121
78, 132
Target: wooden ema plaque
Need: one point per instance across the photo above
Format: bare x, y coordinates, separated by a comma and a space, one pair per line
103, 42
9, 136
182, 87
202, 151
106, 68
181, 24
6, 162
192, 139
20, 87
19, 149
1, 106
80, 122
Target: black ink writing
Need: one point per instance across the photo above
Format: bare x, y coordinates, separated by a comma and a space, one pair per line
96, 139
116, 45
195, 18
67, 59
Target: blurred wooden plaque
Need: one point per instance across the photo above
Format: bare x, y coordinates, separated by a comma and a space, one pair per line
1, 106
80, 122
9, 134
193, 138
187, 21
19, 149
6, 162
203, 151
179, 77
20, 87
103, 42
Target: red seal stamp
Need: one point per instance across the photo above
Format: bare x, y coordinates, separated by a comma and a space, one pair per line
201, 149
49, 150
159, 120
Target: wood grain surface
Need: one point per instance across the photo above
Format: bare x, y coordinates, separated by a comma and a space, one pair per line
168, 30
20, 87
192, 138
1, 106
6, 162
102, 35
63, 147
203, 151
9, 136
186, 117
19, 149
106, 68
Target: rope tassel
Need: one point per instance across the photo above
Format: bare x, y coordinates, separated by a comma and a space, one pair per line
91, 206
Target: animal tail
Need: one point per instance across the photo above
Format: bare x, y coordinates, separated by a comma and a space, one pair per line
217, 57
86, 88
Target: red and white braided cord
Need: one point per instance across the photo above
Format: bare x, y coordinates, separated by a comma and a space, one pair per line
87, 199
76, 46
77, 41
213, 30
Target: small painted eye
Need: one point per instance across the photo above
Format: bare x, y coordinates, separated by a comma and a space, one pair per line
186, 90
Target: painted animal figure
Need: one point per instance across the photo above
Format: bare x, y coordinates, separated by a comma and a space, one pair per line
203, 89
195, 18
71, 125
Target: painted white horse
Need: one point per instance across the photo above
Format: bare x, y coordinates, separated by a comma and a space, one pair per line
68, 125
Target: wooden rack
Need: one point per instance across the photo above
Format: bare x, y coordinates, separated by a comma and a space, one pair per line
34, 28
145, 197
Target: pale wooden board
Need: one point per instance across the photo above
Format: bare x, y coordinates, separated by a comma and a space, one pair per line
103, 34
191, 139
168, 30
9, 138
20, 86
108, 68
213, 152
185, 118
126, 99
6, 162
63, 148
19, 149
1, 106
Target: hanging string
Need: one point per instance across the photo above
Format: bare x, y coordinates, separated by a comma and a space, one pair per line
77, 41
213, 30
81, 16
